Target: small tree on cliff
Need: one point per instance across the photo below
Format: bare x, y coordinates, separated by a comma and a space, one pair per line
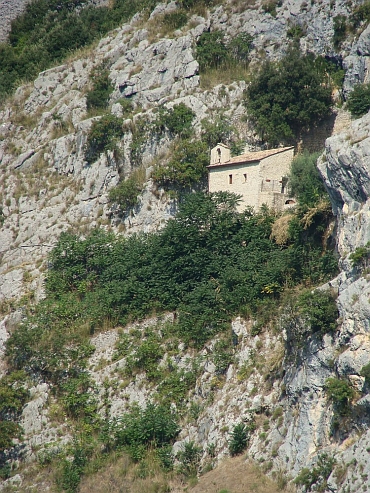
289, 96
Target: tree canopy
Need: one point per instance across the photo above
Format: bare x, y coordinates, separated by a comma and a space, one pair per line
284, 98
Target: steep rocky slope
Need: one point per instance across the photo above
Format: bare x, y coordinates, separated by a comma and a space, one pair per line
48, 187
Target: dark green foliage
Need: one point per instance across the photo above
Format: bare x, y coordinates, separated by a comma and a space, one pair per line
340, 30
147, 356
240, 46
176, 120
174, 387
289, 96
49, 30
126, 193
316, 478
295, 32
175, 20
98, 96
78, 398
186, 167
305, 181
13, 396
103, 136
208, 264
360, 15
155, 426
189, 458
217, 130
72, 470
270, 6
340, 393
212, 51
360, 256
9, 430
222, 356
358, 102
239, 438
320, 310
365, 372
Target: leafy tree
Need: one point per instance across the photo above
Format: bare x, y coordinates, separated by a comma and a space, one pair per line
289, 96
320, 310
358, 102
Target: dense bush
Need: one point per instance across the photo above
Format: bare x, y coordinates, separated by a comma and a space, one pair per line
238, 439
176, 120
305, 181
126, 193
187, 165
103, 136
208, 263
358, 102
154, 426
289, 96
319, 309
360, 15
98, 96
340, 393
212, 51
340, 30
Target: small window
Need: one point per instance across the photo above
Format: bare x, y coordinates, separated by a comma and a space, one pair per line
230, 179
245, 177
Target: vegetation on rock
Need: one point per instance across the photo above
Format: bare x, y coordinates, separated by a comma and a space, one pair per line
284, 98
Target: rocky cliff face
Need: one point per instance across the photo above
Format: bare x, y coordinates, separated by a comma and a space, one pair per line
48, 187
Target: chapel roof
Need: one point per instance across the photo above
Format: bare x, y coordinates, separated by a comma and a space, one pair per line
250, 157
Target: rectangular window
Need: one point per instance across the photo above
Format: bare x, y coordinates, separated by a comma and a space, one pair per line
230, 179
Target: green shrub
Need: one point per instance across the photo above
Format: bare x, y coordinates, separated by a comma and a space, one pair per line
289, 96
295, 32
189, 458
175, 20
270, 6
222, 356
360, 256
126, 193
358, 102
154, 426
9, 430
360, 15
217, 130
319, 309
98, 96
340, 393
177, 120
305, 181
103, 136
212, 51
78, 398
316, 478
340, 30
174, 388
239, 438
365, 372
187, 165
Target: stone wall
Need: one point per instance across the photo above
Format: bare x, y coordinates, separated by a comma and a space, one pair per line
258, 182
